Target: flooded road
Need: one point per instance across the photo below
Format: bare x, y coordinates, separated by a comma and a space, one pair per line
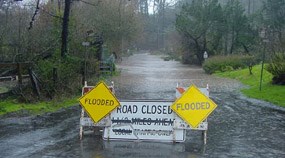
239, 127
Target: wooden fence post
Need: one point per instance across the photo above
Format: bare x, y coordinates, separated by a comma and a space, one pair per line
19, 70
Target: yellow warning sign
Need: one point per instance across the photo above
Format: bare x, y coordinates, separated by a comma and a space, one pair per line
99, 102
193, 106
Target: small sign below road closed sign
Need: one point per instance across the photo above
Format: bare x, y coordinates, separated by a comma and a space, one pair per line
99, 102
193, 106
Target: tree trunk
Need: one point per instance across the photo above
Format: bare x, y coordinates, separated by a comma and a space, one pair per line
232, 41
198, 51
163, 23
64, 34
249, 7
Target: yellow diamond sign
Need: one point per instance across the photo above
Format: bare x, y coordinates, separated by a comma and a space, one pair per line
193, 106
99, 102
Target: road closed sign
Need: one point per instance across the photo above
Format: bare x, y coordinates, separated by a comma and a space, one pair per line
144, 120
99, 102
193, 106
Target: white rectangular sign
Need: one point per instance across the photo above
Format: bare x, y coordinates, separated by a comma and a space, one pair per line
183, 125
144, 120
86, 121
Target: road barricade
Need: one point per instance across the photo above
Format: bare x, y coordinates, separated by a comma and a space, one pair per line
143, 120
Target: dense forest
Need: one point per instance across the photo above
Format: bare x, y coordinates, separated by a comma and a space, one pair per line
63, 41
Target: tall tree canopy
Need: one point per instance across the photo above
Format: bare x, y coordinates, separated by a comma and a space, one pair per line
274, 22
199, 22
206, 25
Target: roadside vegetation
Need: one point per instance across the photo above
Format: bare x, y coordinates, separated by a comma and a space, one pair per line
58, 49
16, 107
227, 63
62, 44
269, 92
235, 38
241, 68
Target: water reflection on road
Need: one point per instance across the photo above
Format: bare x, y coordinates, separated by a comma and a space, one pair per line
239, 127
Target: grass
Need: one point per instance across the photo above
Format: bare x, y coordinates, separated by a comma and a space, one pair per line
269, 92
10, 105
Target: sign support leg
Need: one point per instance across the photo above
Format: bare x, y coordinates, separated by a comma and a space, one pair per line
109, 128
205, 137
173, 135
81, 126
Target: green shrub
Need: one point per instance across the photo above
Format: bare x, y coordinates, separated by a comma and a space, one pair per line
227, 63
277, 68
188, 58
58, 76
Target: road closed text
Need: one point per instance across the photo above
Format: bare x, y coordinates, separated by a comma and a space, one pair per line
193, 106
103, 102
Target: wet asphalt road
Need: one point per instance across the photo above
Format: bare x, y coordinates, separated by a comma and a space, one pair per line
239, 127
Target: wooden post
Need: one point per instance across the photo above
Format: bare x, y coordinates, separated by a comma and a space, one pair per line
54, 76
19, 70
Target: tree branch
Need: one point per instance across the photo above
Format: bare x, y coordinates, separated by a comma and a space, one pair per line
50, 14
92, 4
36, 12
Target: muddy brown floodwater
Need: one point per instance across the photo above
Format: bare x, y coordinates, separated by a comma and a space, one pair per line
239, 127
